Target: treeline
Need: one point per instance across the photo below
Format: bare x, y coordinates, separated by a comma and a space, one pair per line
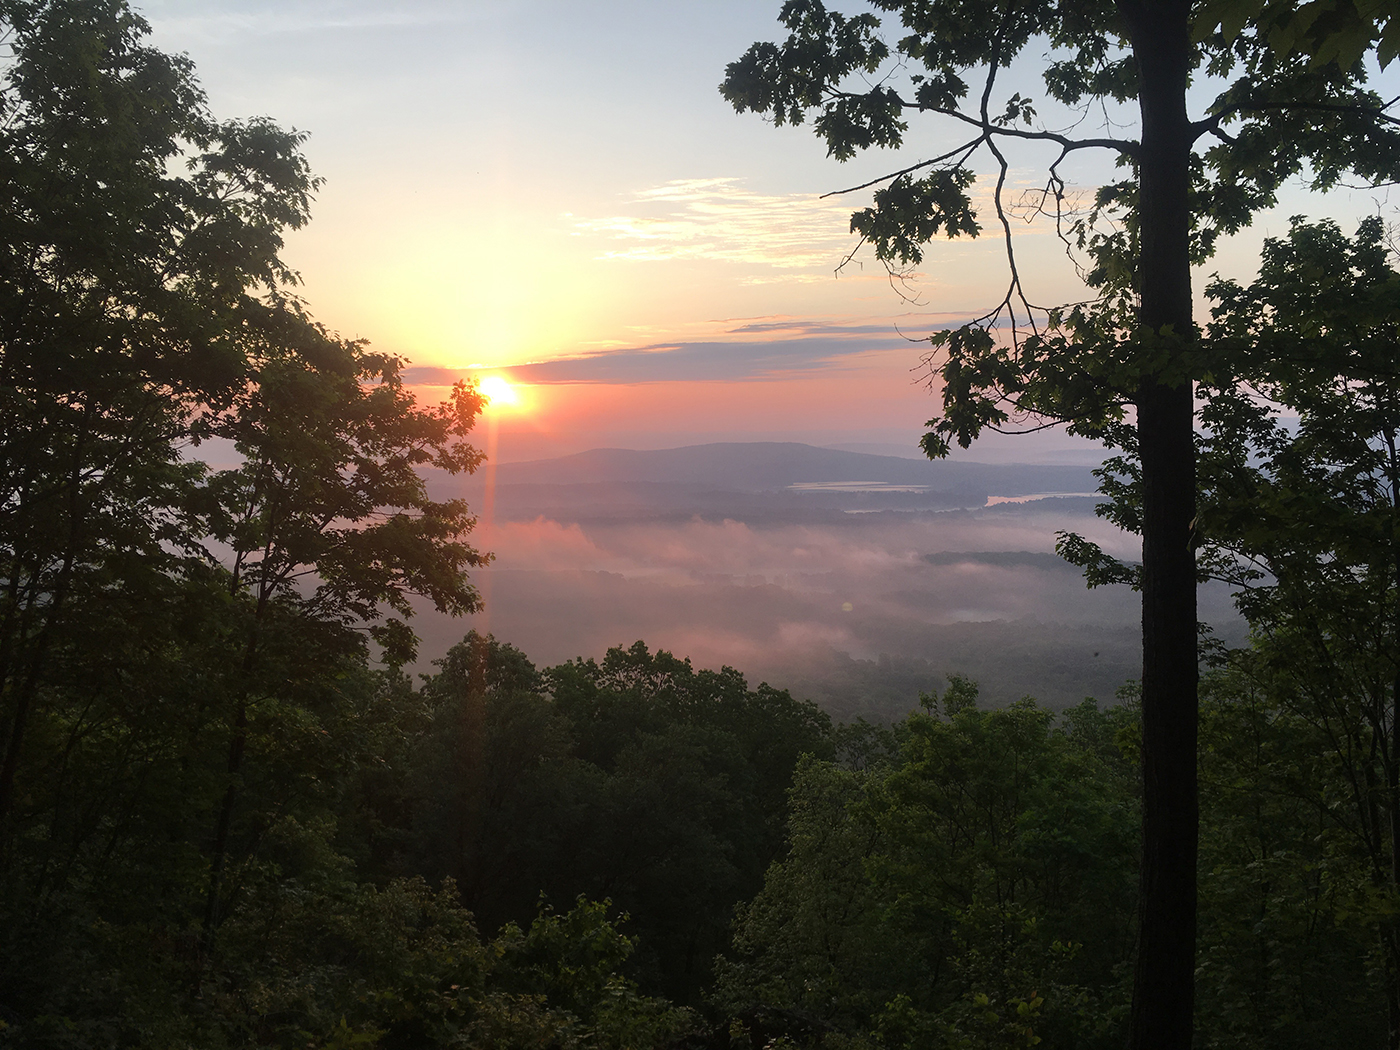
633, 853
377, 829
968, 878
638, 780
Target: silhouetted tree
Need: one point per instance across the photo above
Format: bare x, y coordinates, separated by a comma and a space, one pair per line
1285, 75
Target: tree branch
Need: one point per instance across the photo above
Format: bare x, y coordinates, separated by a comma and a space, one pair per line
1211, 124
966, 148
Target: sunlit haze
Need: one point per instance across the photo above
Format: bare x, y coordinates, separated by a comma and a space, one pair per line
552, 199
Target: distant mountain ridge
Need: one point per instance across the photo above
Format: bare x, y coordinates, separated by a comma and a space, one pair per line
767, 466
1003, 560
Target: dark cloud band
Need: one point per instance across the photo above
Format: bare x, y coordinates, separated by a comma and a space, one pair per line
816, 347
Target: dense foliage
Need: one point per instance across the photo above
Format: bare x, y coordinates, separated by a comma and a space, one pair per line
1300, 492
974, 885
1209, 107
637, 779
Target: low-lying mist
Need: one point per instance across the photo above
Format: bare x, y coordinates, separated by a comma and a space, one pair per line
859, 611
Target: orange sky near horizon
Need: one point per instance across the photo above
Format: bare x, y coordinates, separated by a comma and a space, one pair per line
554, 416
876, 402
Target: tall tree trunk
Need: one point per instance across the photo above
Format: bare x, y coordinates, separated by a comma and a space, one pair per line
237, 746
1389, 724
471, 778
27, 687
1163, 983
223, 823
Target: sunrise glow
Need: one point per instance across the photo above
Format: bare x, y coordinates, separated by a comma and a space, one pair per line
500, 392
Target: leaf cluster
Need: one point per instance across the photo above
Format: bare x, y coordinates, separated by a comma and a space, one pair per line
1279, 72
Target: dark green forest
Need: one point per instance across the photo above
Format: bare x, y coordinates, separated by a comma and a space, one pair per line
230, 818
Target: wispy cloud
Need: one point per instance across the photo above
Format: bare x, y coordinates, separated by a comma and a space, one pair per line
719, 219
269, 19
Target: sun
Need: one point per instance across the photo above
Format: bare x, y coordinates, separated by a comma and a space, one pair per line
499, 390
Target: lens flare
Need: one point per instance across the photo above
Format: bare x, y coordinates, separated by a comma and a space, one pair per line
499, 390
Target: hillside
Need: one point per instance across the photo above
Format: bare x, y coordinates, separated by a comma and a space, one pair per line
770, 466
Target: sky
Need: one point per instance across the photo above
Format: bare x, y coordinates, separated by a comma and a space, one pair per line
555, 192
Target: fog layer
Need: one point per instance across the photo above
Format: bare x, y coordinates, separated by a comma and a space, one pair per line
857, 606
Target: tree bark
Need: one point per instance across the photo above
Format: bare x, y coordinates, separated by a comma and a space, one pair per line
1389, 724
237, 746
1163, 982
223, 824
